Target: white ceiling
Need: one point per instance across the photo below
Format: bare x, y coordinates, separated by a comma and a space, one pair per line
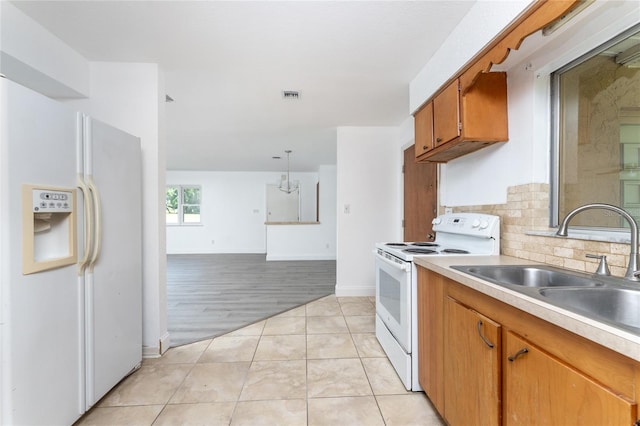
227, 62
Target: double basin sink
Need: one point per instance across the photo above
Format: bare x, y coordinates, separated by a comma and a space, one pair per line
613, 301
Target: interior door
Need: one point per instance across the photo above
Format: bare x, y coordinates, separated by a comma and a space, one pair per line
420, 197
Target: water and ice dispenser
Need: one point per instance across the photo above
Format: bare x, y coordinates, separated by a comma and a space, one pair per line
49, 225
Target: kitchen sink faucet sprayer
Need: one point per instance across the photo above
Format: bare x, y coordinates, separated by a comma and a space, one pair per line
632, 268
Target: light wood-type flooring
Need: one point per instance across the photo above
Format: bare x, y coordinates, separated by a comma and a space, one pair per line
211, 294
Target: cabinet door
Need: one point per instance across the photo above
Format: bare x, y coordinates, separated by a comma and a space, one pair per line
446, 115
540, 389
471, 367
431, 336
423, 123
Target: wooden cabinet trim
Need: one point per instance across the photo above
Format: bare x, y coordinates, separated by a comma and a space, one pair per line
539, 15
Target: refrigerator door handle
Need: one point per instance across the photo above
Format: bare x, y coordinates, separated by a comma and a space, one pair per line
88, 225
97, 228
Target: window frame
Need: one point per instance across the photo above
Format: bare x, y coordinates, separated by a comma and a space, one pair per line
181, 204
555, 125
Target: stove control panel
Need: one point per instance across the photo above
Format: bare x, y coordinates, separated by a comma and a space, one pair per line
476, 224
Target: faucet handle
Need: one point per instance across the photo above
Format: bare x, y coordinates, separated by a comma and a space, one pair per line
603, 267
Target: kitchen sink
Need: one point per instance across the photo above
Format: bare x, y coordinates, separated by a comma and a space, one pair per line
529, 276
613, 305
608, 299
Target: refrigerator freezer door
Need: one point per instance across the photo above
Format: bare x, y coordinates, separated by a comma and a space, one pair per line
114, 281
41, 326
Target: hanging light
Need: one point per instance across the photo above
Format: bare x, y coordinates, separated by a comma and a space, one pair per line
286, 185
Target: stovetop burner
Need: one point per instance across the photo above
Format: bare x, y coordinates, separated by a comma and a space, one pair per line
396, 244
456, 251
425, 244
419, 251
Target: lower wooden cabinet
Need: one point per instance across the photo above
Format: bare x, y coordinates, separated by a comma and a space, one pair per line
471, 367
540, 389
431, 337
493, 364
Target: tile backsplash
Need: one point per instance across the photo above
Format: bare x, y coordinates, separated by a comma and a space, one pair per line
526, 210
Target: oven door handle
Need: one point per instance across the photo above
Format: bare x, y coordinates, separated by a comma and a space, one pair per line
404, 266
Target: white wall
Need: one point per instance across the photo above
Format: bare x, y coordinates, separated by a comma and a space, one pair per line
33, 57
484, 176
233, 210
368, 199
131, 97
309, 242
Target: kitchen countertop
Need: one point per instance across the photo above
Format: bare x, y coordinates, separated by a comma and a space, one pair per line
613, 338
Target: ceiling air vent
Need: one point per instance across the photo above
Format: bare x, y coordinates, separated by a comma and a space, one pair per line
290, 94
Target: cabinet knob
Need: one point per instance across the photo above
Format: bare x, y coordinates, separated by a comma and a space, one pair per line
438, 139
424, 147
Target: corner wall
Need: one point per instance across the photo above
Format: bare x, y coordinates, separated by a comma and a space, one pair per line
369, 178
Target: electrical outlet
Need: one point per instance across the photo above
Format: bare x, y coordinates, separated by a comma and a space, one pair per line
213, 241
448, 210
347, 208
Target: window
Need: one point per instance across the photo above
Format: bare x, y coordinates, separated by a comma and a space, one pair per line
596, 156
183, 205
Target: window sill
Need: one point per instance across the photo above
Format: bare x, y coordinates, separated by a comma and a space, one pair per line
620, 237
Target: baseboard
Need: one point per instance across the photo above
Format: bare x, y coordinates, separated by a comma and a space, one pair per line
217, 251
156, 351
165, 342
150, 352
355, 290
276, 257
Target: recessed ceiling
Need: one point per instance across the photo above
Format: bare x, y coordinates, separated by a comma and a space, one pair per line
227, 63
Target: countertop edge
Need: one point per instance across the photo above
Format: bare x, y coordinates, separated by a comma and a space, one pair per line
615, 339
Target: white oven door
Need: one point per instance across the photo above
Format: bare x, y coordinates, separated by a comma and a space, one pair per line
393, 297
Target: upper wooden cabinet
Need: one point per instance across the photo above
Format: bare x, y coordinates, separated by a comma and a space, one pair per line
469, 111
454, 124
424, 130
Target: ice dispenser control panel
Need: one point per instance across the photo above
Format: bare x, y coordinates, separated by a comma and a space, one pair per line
49, 228
45, 201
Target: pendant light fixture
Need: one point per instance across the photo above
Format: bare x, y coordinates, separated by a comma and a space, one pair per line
286, 185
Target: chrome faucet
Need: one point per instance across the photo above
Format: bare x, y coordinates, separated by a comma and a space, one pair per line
632, 268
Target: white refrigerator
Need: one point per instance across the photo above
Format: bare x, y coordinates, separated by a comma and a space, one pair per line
70, 246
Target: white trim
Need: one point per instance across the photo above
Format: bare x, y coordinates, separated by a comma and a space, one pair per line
154, 351
150, 352
355, 290
277, 257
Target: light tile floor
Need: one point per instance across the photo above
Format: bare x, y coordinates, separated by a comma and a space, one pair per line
318, 364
